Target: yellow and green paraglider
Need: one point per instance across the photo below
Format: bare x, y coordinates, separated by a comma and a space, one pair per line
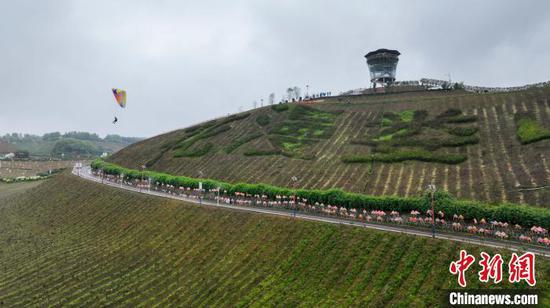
120, 97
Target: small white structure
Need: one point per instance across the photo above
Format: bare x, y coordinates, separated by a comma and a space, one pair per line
8, 156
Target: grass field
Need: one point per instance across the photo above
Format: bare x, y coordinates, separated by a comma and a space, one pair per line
13, 169
7, 190
69, 241
497, 168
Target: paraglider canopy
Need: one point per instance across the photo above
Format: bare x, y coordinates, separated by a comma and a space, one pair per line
120, 96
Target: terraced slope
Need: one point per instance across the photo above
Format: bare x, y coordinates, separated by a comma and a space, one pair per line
269, 146
69, 241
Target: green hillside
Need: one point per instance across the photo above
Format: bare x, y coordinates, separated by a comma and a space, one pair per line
486, 147
69, 241
70, 144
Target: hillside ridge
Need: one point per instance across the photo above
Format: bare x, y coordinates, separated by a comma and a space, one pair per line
395, 144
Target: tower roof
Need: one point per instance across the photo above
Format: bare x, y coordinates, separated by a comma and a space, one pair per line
383, 50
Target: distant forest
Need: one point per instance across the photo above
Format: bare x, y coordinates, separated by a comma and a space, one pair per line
67, 145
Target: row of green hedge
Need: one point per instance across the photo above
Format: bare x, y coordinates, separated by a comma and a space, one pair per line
205, 130
516, 214
462, 131
10, 180
187, 143
403, 155
238, 142
197, 152
529, 130
263, 119
463, 119
280, 107
258, 152
412, 139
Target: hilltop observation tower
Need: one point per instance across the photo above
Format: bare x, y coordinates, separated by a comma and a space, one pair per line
382, 65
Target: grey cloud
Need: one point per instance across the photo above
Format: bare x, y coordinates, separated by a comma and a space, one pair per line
186, 61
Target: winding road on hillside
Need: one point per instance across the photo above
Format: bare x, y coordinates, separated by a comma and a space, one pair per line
85, 173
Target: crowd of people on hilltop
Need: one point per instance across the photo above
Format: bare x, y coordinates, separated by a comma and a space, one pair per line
306, 98
505, 89
440, 84
477, 89
414, 218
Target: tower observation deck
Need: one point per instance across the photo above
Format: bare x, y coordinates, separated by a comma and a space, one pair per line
382, 65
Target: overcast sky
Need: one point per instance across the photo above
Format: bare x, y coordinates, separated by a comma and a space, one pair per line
183, 62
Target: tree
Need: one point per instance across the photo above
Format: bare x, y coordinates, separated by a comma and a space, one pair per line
22, 154
289, 93
75, 147
458, 86
51, 136
122, 140
82, 136
271, 98
297, 91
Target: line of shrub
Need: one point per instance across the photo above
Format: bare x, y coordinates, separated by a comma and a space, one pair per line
19, 179
390, 118
516, 214
258, 152
302, 125
280, 107
238, 142
415, 133
393, 129
291, 146
462, 131
233, 118
196, 152
412, 139
155, 158
458, 141
462, 119
528, 129
263, 119
205, 130
403, 155
305, 128
51, 172
39, 176
420, 115
301, 112
187, 143
197, 128
451, 112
